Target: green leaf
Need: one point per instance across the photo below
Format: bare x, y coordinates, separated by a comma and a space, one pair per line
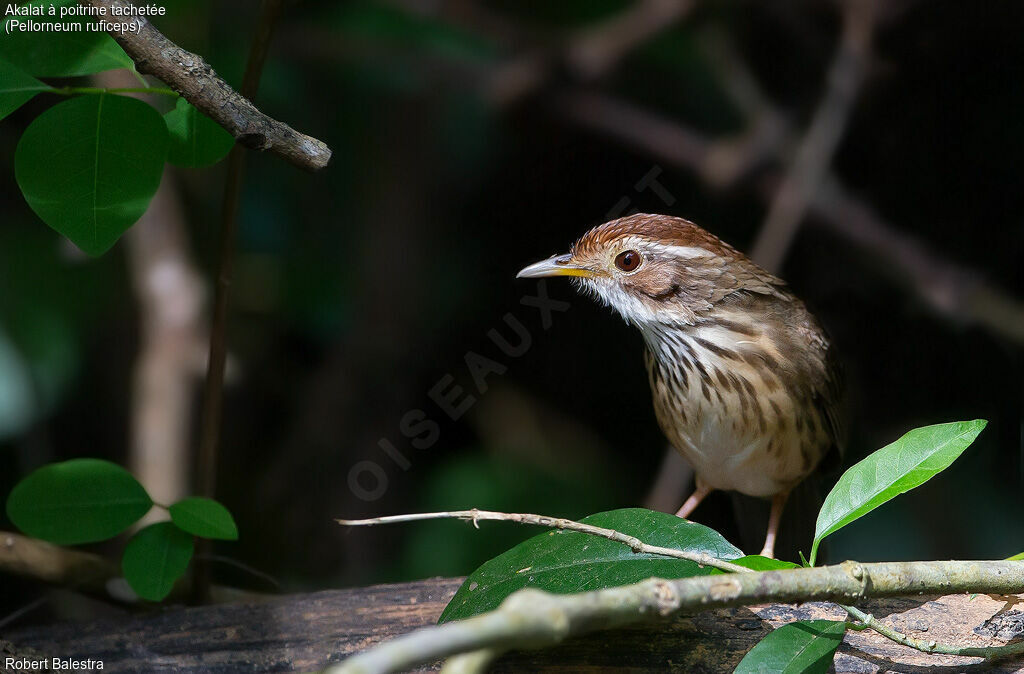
803, 647
17, 87
77, 501
568, 561
204, 517
155, 558
59, 54
89, 166
896, 468
1016, 558
196, 140
760, 563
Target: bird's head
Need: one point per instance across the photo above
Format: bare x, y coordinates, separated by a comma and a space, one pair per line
656, 269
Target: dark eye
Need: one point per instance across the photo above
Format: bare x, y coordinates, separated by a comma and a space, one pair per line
628, 260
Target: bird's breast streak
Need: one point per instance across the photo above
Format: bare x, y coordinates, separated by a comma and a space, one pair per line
721, 406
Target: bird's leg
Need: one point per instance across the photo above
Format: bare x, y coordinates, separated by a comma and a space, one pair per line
696, 497
778, 503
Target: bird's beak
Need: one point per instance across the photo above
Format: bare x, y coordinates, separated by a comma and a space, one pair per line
556, 265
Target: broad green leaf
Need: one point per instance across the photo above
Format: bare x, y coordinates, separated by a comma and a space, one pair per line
204, 517
63, 53
760, 563
568, 561
1016, 558
196, 140
155, 558
896, 468
77, 501
89, 166
804, 647
17, 87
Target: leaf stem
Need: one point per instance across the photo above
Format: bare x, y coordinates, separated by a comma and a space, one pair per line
71, 91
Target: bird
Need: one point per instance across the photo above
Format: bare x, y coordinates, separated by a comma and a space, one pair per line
745, 383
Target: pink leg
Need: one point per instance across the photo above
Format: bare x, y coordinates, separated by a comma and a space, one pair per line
696, 497
778, 503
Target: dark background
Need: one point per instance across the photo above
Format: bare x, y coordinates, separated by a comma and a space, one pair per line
358, 288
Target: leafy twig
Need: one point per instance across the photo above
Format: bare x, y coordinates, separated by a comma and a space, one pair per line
634, 543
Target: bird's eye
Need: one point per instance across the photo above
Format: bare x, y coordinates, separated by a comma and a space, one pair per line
628, 260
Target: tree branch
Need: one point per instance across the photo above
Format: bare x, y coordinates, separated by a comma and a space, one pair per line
532, 618
84, 572
634, 543
196, 81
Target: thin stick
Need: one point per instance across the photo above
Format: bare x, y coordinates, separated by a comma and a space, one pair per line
474, 516
213, 390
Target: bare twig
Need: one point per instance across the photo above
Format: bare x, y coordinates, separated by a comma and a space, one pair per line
814, 151
474, 516
532, 618
193, 78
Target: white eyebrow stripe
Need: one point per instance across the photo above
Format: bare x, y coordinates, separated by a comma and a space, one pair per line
687, 251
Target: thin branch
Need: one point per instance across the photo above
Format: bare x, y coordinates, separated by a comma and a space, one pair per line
213, 390
193, 78
49, 563
815, 150
532, 618
474, 516
989, 652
